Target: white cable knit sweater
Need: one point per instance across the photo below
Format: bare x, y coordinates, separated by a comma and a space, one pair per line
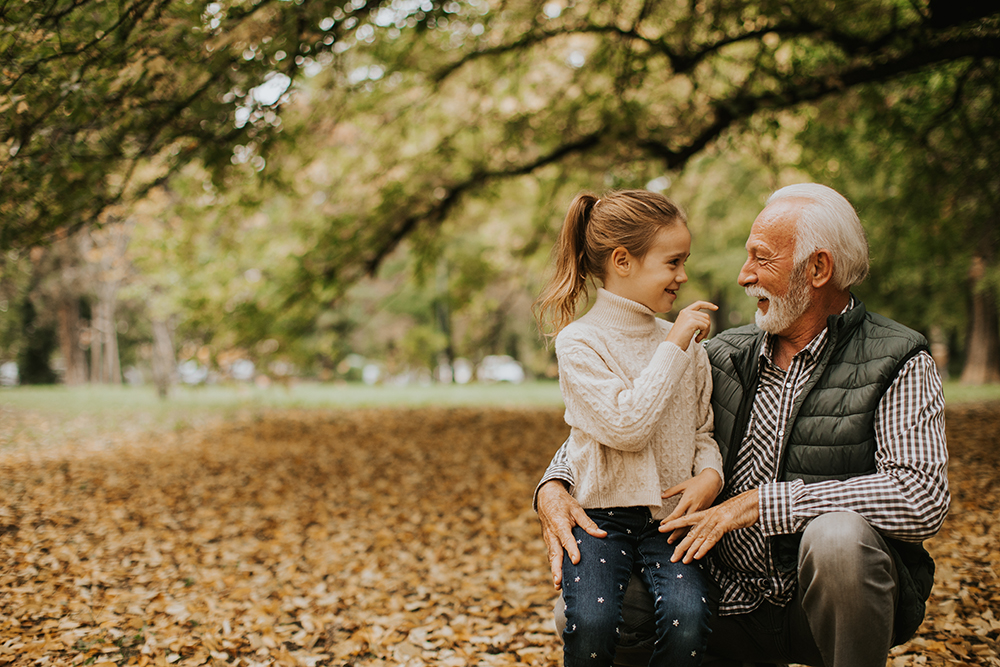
639, 407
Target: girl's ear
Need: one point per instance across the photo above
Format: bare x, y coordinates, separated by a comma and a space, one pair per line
621, 261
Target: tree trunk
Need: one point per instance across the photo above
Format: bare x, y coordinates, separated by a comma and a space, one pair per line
96, 346
69, 341
164, 358
982, 360
112, 362
105, 253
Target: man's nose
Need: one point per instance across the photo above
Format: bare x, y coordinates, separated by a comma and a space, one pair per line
747, 275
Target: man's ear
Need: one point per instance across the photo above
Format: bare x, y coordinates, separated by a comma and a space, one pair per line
820, 268
621, 261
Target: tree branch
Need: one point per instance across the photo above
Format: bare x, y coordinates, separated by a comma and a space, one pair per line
439, 211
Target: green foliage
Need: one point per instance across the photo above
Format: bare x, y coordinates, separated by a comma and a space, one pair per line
15, 274
919, 159
602, 90
102, 100
397, 194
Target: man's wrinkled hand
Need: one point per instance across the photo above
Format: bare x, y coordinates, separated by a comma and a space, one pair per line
558, 512
696, 494
706, 528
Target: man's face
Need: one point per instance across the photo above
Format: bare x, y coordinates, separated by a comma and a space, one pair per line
782, 290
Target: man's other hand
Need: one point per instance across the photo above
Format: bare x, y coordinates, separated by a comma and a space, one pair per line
707, 527
558, 512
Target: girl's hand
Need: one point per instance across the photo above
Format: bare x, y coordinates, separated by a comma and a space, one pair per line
697, 493
690, 320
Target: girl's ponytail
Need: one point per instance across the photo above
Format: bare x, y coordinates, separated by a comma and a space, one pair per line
556, 306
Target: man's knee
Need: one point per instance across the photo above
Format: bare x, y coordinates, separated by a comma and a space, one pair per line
844, 545
845, 564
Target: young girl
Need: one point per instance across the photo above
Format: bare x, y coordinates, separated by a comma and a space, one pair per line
637, 392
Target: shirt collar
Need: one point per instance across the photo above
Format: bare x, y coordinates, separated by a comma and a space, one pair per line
815, 346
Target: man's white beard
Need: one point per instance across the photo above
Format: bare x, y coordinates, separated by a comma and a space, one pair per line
782, 311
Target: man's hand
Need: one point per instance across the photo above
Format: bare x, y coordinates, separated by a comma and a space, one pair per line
707, 527
558, 512
696, 494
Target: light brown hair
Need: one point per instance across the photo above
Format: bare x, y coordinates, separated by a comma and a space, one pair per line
593, 228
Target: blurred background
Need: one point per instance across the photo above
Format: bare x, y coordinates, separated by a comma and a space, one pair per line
261, 192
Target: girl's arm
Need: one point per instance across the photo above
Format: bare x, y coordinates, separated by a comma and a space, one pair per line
706, 483
707, 453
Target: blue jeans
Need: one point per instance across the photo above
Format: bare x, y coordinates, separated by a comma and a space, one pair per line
594, 589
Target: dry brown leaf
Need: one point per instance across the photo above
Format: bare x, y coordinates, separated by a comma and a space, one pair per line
372, 537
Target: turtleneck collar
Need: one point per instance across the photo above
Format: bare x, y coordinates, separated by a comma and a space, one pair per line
617, 312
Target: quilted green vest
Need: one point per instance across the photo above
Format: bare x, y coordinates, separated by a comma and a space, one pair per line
831, 431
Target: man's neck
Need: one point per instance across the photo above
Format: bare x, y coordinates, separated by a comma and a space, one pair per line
787, 344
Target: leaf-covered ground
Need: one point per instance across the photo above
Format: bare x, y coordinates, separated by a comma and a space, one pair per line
371, 537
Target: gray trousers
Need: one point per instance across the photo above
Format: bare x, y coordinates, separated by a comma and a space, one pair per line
841, 616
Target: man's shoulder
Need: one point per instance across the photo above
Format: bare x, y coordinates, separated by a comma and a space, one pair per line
733, 340
882, 326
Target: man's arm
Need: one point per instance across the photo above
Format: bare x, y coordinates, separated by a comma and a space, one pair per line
558, 512
559, 469
906, 498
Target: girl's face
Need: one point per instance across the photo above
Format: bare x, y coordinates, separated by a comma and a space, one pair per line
654, 280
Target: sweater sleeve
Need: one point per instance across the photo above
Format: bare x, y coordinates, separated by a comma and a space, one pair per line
602, 404
706, 454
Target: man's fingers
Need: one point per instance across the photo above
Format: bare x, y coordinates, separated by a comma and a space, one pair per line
676, 535
694, 546
581, 519
679, 511
555, 565
698, 548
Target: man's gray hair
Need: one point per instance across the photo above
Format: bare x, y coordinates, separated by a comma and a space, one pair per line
828, 221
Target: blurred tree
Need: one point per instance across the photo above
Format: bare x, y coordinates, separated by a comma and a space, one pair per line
15, 276
920, 158
103, 100
107, 269
60, 288
212, 267
411, 123
481, 95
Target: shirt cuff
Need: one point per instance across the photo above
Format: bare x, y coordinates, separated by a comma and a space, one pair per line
774, 502
564, 477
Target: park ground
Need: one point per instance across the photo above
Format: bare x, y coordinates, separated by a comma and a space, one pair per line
312, 528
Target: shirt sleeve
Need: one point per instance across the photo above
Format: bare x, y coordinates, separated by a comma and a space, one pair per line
559, 469
907, 497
